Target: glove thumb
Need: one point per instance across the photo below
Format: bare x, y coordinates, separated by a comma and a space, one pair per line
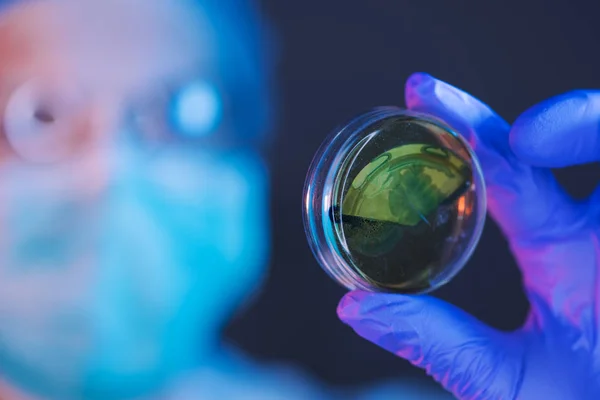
468, 358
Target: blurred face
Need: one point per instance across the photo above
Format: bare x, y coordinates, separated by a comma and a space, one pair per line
128, 232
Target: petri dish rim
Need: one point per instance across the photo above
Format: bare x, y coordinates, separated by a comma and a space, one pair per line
320, 191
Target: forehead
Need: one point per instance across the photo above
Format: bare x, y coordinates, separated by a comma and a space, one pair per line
121, 43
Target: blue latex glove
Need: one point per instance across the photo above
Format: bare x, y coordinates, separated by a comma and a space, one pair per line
555, 355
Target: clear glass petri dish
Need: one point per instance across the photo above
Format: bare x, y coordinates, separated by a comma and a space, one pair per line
394, 202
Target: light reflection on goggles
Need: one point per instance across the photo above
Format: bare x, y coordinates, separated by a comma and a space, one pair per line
196, 109
43, 123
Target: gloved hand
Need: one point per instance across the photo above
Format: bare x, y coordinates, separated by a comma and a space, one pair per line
555, 240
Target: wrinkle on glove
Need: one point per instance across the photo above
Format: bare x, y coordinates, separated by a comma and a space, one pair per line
555, 354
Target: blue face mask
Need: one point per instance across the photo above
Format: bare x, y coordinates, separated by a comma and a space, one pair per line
127, 276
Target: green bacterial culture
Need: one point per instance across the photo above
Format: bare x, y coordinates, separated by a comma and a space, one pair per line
402, 217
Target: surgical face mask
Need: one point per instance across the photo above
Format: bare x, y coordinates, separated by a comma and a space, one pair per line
120, 266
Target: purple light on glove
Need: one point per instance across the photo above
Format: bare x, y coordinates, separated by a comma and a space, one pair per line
554, 238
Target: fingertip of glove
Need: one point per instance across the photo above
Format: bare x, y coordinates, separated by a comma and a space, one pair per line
349, 306
553, 132
418, 80
419, 86
358, 304
428, 94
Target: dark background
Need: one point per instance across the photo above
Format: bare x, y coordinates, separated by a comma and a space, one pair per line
339, 58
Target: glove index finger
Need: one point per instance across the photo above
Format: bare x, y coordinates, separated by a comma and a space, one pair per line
473, 119
526, 202
558, 132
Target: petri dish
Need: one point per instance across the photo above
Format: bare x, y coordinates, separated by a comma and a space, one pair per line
394, 201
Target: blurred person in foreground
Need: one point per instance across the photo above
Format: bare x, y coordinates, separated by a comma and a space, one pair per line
134, 201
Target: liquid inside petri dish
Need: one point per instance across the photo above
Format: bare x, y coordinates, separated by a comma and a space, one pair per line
404, 209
